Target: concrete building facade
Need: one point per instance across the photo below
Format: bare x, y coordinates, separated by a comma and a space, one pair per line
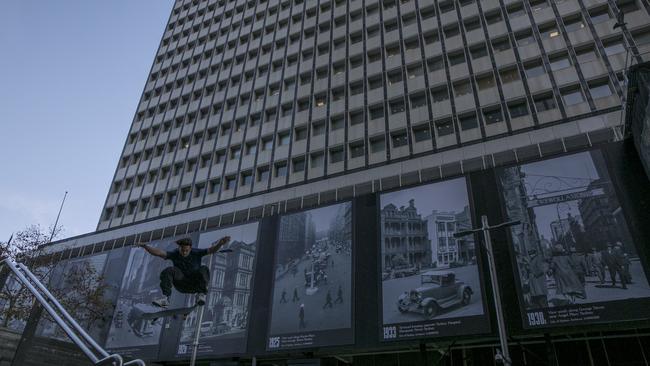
298, 99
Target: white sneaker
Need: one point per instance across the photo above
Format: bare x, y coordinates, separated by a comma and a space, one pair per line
162, 302
200, 299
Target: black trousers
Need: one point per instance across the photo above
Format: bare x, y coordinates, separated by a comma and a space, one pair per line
185, 282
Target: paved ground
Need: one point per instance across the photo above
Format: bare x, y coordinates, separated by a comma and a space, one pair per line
393, 288
284, 317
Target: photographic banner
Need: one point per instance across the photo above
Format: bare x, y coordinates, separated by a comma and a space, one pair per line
80, 287
431, 283
224, 318
130, 332
311, 304
574, 259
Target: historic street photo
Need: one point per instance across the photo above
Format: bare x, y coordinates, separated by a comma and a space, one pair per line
225, 314
140, 285
427, 274
313, 271
573, 246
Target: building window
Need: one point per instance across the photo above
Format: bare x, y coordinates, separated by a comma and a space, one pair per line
230, 182
336, 155
281, 169
418, 100
439, 94
263, 174
214, 186
613, 47
518, 109
185, 193
435, 64
444, 127
478, 51
246, 178
356, 150
574, 23
509, 75
586, 54
462, 88
600, 89
572, 95
377, 144
399, 139
468, 122
534, 69
397, 106
600, 15
524, 38
171, 198
421, 133
492, 115
544, 102
549, 31
316, 159
318, 128
559, 62
284, 138
298, 164
301, 133
251, 147
376, 112
485, 81
456, 58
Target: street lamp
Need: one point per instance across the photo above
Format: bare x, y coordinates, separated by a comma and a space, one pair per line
504, 356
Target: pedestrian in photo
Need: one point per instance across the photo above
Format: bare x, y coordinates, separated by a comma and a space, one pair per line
537, 269
621, 263
301, 317
295, 295
578, 265
599, 265
614, 264
283, 299
339, 296
328, 300
566, 281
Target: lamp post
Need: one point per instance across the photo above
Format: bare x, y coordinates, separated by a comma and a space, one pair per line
485, 228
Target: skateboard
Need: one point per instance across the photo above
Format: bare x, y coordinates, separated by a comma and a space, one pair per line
174, 313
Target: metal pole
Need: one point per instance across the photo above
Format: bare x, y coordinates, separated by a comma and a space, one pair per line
57, 217
81, 344
503, 338
195, 345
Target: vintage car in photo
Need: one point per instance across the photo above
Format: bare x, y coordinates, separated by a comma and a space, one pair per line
440, 290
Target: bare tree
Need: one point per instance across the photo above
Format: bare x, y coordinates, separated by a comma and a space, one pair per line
79, 288
25, 247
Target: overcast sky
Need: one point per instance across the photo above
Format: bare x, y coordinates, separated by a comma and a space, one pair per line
71, 76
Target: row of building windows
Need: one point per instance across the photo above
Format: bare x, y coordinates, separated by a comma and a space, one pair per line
459, 88
570, 95
455, 57
550, 29
476, 51
557, 61
598, 14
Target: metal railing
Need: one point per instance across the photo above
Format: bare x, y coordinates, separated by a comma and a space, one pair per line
97, 355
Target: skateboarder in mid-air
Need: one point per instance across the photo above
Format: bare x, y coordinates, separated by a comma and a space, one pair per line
187, 274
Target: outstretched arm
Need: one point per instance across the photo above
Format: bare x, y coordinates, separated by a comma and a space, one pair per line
153, 251
218, 245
